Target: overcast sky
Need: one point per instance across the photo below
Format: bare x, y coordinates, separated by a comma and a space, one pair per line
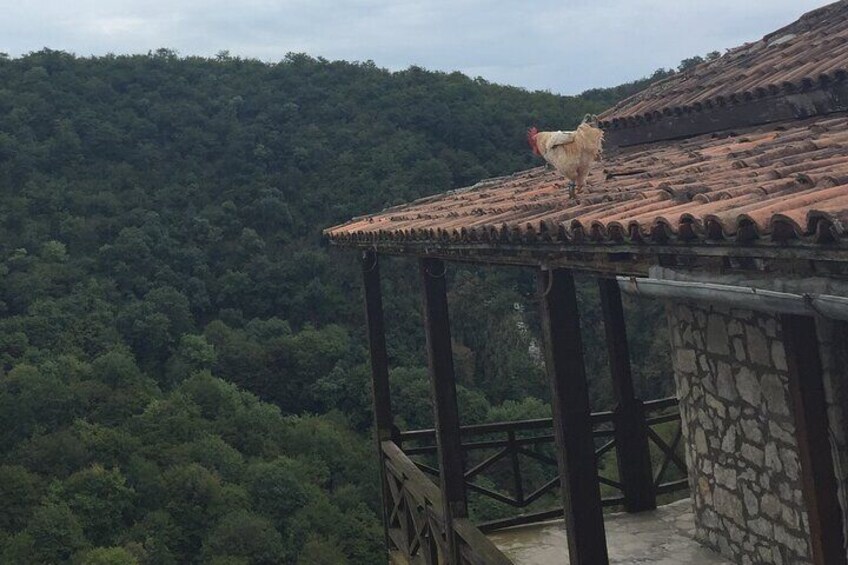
563, 46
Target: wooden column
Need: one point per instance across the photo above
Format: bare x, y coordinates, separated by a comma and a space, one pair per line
381, 398
578, 471
809, 409
631, 437
443, 383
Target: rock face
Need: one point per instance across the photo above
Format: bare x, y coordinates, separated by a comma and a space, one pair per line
740, 438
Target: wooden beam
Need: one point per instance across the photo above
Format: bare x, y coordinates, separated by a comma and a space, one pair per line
383, 421
578, 471
562, 254
631, 438
809, 408
443, 383
380, 393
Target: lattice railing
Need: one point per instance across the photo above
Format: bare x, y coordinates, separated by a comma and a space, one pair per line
511, 448
666, 411
416, 522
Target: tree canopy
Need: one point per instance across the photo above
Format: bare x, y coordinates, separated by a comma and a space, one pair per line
183, 376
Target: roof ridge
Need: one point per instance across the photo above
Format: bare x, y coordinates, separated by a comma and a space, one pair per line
801, 56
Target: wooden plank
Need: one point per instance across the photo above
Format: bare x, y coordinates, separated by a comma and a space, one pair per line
809, 409
563, 348
380, 393
443, 384
479, 550
422, 487
631, 438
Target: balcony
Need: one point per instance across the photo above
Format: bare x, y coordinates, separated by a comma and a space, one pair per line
511, 471
662, 536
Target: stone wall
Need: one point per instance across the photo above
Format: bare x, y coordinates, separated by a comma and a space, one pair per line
744, 472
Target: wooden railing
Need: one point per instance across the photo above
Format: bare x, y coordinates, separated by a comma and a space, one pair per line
666, 411
416, 524
509, 444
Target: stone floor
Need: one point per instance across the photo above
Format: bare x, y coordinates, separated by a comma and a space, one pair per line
661, 537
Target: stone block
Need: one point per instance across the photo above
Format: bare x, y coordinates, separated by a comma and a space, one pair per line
726, 388
686, 361
718, 407
778, 356
734, 328
728, 442
748, 386
784, 433
751, 430
701, 446
726, 477
686, 336
770, 505
757, 346
791, 466
739, 350
752, 502
753, 454
772, 454
771, 326
729, 505
717, 338
709, 519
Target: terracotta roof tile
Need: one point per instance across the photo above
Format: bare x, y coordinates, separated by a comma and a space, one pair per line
810, 51
780, 182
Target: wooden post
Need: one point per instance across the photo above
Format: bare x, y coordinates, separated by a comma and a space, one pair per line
584, 520
809, 408
443, 383
631, 437
381, 398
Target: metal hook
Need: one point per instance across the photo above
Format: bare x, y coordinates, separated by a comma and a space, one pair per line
439, 276
373, 251
550, 284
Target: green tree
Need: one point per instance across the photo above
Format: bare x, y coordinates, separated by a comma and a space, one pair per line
101, 500
106, 556
244, 535
277, 489
53, 535
20, 492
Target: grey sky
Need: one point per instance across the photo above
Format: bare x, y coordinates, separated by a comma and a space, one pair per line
564, 45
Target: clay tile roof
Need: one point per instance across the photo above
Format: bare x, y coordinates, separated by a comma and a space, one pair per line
775, 176
782, 183
807, 53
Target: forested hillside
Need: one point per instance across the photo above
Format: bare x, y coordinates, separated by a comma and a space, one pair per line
184, 375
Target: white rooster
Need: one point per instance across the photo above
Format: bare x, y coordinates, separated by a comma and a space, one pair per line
571, 153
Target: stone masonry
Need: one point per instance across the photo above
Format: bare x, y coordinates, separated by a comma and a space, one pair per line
744, 472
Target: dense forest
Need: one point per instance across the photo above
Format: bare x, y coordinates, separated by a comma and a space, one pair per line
183, 372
